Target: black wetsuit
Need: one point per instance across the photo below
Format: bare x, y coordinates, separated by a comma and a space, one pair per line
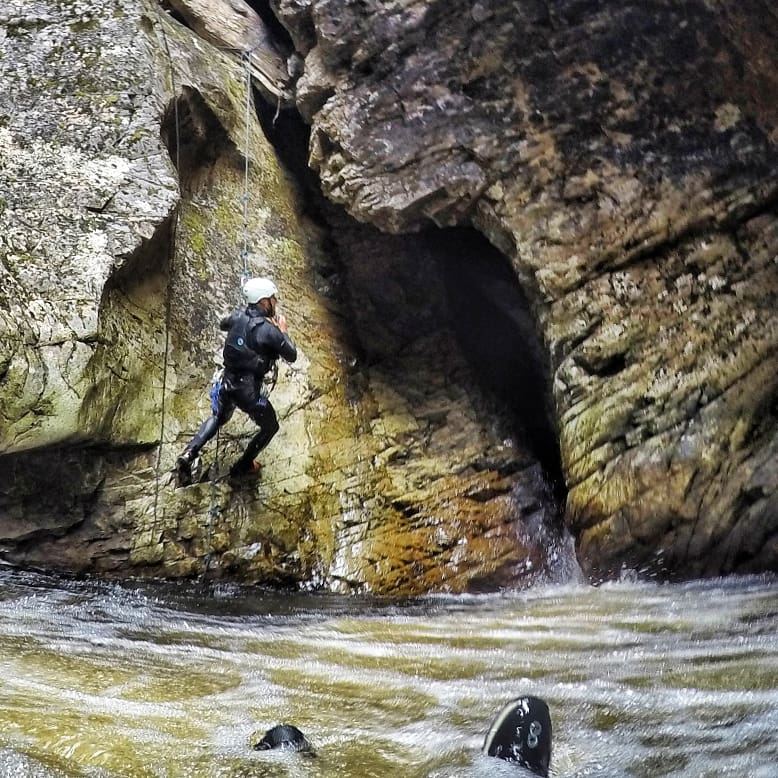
251, 347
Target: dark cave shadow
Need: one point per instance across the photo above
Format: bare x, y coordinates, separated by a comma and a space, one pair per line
492, 319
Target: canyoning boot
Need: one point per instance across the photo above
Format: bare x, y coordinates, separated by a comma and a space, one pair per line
521, 733
185, 465
244, 467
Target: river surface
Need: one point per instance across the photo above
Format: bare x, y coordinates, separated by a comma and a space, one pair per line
102, 679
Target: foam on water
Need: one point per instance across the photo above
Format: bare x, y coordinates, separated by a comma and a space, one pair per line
141, 680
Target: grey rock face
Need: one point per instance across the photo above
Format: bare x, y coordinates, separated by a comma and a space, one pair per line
624, 158
86, 186
116, 267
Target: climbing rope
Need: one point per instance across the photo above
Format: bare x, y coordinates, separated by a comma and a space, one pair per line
171, 267
214, 509
244, 252
246, 58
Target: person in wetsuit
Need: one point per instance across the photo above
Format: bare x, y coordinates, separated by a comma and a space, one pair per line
256, 338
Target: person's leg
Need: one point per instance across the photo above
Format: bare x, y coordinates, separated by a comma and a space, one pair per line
207, 430
263, 414
224, 407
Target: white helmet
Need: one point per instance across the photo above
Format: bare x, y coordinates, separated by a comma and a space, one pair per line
256, 289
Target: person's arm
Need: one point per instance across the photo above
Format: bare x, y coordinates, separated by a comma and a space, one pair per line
226, 322
288, 350
282, 343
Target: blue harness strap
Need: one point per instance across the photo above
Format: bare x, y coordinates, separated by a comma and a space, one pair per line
215, 389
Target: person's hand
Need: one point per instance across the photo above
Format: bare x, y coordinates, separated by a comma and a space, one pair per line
280, 322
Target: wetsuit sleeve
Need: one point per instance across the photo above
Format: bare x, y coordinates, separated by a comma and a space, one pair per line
226, 322
288, 350
278, 343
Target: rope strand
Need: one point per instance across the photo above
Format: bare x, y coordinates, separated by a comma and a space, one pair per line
171, 268
245, 200
213, 512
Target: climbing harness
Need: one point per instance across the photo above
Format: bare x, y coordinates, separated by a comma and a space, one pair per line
269, 380
216, 386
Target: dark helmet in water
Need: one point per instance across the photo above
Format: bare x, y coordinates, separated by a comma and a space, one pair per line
286, 737
521, 733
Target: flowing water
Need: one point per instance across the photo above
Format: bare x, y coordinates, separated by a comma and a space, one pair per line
101, 679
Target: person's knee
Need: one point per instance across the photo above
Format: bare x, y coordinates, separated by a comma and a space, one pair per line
267, 420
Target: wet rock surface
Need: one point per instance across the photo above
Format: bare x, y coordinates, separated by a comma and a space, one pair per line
391, 472
624, 159
621, 162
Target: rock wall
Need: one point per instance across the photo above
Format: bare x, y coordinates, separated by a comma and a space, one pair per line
621, 160
624, 158
390, 472
87, 186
